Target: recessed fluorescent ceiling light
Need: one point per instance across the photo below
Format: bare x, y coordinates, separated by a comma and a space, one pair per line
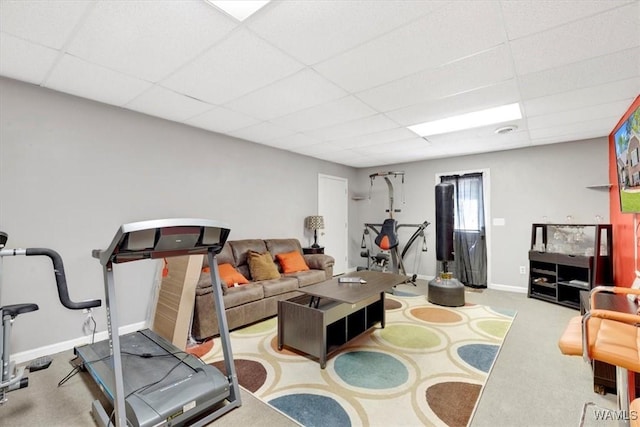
239, 9
469, 120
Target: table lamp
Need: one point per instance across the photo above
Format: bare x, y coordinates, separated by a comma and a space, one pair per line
315, 223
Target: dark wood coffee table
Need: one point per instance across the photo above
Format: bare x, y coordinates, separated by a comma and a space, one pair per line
330, 314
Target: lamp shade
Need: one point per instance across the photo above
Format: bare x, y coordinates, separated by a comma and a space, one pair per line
315, 222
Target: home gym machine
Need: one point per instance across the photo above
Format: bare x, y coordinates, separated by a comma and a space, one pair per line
387, 234
148, 380
445, 289
12, 378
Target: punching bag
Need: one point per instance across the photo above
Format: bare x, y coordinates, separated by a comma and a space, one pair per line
444, 222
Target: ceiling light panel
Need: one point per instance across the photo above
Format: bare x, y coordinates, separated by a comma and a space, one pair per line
48, 23
302, 90
77, 77
239, 10
313, 31
24, 60
417, 46
236, 66
148, 39
475, 119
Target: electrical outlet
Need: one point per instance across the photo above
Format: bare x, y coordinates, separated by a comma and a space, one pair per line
523, 269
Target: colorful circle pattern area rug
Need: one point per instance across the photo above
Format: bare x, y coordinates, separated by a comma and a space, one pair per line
426, 367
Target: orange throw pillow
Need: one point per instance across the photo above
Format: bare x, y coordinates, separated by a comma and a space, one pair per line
231, 276
292, 262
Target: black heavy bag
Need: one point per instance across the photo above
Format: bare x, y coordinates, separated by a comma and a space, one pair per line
444, 221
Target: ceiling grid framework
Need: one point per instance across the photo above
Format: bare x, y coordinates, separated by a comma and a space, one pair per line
340, 80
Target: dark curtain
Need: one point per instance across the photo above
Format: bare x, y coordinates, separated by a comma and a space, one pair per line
469, 243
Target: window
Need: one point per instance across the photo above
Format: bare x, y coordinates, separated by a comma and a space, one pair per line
634, 157
468, 203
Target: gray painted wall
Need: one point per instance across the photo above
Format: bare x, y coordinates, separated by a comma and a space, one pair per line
525, 186
73, 170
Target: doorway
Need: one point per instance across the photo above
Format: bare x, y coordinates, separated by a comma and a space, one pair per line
471, 235
333, 206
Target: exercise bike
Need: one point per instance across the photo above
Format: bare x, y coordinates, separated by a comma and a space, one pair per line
12, 378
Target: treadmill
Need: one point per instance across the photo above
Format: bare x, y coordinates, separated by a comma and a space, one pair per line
148, 380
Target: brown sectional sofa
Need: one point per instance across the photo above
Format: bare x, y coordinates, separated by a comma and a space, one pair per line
246, 304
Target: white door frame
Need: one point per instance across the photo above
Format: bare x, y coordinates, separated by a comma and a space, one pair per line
346, 219
486, 195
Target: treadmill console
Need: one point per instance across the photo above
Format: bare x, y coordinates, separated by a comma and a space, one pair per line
164, 238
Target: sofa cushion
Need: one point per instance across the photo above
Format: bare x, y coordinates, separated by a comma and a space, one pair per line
279, 286
311, 277
224, 257
292, 262
262, 266
239, 295
279, 246
230, 276
204, 283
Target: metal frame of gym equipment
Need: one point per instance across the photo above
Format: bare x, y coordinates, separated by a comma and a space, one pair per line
397, 264
157, 239
13, 379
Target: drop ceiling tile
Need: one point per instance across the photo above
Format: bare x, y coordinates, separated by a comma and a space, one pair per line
579, 115
148, 39
601, 34
48, 23
483, 69
324, 115
296, 140
314, 31
236, 66
365, 126
589, 129
606, 93
167, 104
479, 99
427, 43
261, 132
222, 120
525, 17
384, 136
297, 92
23, 60
80, 78
591, 72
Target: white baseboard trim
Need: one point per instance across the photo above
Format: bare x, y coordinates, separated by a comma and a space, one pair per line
507, 288
28, 355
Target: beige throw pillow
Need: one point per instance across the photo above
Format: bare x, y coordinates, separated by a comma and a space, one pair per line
262, 266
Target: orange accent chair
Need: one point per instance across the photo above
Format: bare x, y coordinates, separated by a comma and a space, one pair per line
608, 336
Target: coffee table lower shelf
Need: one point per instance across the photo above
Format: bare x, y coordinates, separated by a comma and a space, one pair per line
321, 330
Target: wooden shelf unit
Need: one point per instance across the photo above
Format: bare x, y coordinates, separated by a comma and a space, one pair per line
557, 273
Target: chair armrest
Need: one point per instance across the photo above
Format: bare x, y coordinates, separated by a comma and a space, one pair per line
619, 290
617, 316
